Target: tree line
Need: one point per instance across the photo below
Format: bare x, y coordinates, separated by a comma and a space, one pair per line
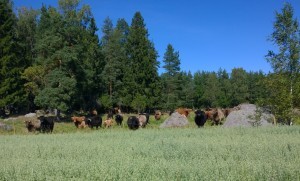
53, 58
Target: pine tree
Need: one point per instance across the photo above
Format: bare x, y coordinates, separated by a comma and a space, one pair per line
11, 61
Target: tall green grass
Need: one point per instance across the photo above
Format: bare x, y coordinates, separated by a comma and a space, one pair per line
212, 153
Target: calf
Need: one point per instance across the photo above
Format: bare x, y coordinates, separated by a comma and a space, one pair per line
108, 123
95, 121
200, 118
47, 123
133, 122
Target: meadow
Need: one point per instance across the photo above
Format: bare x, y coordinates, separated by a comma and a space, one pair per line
210, 153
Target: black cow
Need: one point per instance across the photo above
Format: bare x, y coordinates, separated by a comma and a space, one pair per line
133, 122
95, 121
47, 123
200, 118
119, 119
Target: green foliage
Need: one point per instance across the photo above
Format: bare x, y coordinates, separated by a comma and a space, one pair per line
225, 89
34, 76
139, 103
279, 96
11, 60
239, 85
121, 67
59, 91
106, 102
285, 63
171, 78
140, 73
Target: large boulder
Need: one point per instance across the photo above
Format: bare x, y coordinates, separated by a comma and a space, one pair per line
249, 115
175, 120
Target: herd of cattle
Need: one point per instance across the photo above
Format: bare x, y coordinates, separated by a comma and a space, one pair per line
46, 124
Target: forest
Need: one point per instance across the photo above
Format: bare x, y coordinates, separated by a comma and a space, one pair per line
53, 58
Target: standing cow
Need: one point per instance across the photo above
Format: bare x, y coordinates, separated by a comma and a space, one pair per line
119, 119
47, 123
200, 118
95, 121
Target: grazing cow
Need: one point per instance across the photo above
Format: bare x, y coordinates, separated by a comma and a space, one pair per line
47, 123
33, 126
95, 121
200, 118
78, 121
133, 122
142, 120
119, 119
157, 115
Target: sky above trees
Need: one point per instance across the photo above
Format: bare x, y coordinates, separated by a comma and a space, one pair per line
208, 34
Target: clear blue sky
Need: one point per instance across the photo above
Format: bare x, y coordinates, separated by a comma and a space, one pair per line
209, 34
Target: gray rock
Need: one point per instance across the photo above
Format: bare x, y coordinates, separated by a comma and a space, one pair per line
175, 120
247, 116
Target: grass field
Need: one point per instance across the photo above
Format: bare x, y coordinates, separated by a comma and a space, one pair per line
212, 153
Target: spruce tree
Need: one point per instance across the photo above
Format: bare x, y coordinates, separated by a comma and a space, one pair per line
171, 78
141, 77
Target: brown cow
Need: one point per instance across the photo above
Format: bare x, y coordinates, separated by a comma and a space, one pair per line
108, 123
78, 121
215, 115
184, 111
33, 126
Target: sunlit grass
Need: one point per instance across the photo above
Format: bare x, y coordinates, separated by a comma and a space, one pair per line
212, 153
